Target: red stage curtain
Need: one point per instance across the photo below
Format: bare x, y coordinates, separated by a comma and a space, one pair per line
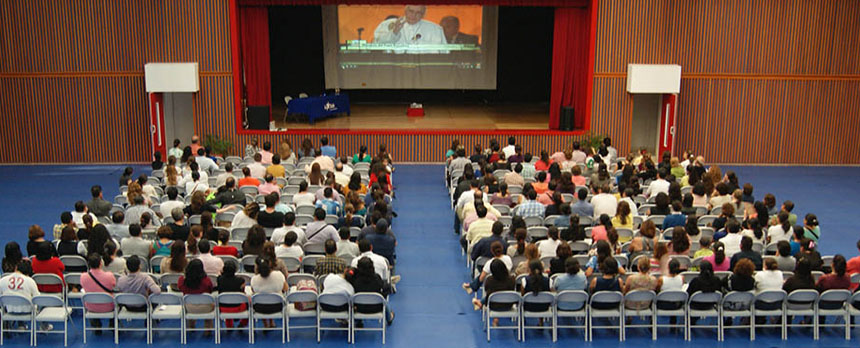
548, 3
254, 25
570, 64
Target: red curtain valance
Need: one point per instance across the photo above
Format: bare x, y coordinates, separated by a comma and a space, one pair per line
547, 3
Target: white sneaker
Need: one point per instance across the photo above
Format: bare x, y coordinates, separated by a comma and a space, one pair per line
395, 279
46, 326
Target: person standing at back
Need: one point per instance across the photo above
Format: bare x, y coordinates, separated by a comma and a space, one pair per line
326, 149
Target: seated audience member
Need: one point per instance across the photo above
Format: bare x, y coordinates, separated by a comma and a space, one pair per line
562, 253
535, 283
719, 262
380, 263
599, 232
228, 195
330, 263
782, 231
176, 262
211, 264
604, 251
836, 279
741, 278
727, 214
499, 279
112, 262
366, 279
530, 207
136, 282
383, 242
604, 202
135, 244
267, 281
221, 180
97, 280
355, 185
98, 205
346, 248
194, 281
732, 239
319, 231
706, 281
482, 248
853, 265
623, 217
256, 168
662, 207
68, 244
247, 217
572, 279
746, 252
172, 202
223, 248
254, 240
677, 218
704, 247
784, 256
80, 211
276, 169
608, 281
46, 262
199, 206
65, 221
248, 179
802, 278
641, 280
36, 238
269, 218
118, 229
547, 247
770, 278
17, 281
810, 228
269, 186
329, 204
807, 250
229, 282
161, 246
179, 226
289, 248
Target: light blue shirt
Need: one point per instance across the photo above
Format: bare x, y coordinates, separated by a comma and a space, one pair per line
329, 151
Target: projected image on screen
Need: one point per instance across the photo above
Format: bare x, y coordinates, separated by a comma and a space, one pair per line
410, 46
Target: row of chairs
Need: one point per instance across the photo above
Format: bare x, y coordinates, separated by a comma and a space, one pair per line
171, 306
616, 307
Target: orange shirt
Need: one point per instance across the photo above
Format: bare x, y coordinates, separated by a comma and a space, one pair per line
540, 187
248, 181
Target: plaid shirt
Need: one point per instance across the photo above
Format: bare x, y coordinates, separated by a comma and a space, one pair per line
530, 208
329, 264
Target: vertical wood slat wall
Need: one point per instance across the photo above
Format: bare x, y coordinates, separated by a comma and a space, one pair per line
772, 81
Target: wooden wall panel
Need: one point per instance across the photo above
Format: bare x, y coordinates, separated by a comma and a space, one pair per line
773, 81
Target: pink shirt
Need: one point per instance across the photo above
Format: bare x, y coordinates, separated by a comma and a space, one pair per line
727, 262
472, 216
267, 188
578, 180
598, 233
105, 278
267, 157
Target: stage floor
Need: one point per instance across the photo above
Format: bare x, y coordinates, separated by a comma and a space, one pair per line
460, 117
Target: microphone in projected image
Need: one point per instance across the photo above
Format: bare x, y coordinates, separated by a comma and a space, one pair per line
359, 33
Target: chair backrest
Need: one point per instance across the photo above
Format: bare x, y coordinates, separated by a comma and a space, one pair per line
334, 300
684, 260
543, 297
737, 299
14, 300
73, 261
803, 296
232, 298
537, 232
198, 299
305, 209
295, 278
835, 295
672, 296
572, 297
367, 298
293, 264
239, 233
168, 279
249, 262
706, 297
47, 301
640, 296
770, 296
579, 247
504, 297
586, 220
688, 276
131, 300
165, 299
607, 297
47, 279
309, 262
267, 298
301, 296
97, 298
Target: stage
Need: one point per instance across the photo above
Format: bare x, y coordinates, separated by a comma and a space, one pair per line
436, 116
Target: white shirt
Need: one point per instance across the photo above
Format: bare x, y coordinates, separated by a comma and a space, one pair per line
221, 180
547, 247
242, 221
194, 186
604, 203
634, 210
168, 206
280, 233
211, 264
257, 170
304, 198
341, 178
347, 248
380, 263
751, 234
422, 32
672, 283
289, 251
509, 151
768, 280
505, 258
78, 218
206, 164
656, 187
732, 241
335, 284
777, 234
187, 177
347, 170
274, 283
18, 284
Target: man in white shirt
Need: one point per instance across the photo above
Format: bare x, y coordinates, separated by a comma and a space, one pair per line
222, 178
206, 164
289, 226
732, 240
380, 263
340, 176
168, 206
257, 169
319, 231
211, 264
81, 209
345, 248
577, 155
511, 149
325, 162
135, 244
196, 184
347, 170
289, 248
411, 29
659, 185
604, 203
15, 282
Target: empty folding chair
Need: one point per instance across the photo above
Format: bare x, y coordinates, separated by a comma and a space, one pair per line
51, 281
704, 305
22, 311
333, 307
800, 303
167, 307
309, 263
197, 307
572, 304
102, 300
170, 282
234, 300
237, 233
640, 304
579, 247
503, 304
770, 303
533, 221
50, 309
369, 306
537, 232
305, 209
314, 248
609, 305
302, 220
538, 306
833, 303
737, 305
332, 219
295, 298
131, 307
73, 261
853, 308
503, 209
249, 263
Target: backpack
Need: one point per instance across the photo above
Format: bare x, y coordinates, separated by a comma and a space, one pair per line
306, 285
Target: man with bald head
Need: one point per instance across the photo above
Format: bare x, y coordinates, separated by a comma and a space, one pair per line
451, 27
411, 29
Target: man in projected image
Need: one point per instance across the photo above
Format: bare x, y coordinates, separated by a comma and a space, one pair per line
451, 27
410, 29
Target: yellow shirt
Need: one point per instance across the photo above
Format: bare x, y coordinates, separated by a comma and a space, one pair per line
276, 170
616, 222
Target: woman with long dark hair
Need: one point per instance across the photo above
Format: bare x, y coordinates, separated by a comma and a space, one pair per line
366, 280
362, 155
194, 282
536, 282
355, 184
718, 260
176, 262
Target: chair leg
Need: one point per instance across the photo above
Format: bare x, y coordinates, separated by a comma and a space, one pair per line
85, 326
115, 329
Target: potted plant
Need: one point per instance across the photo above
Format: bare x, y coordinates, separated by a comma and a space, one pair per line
218, 145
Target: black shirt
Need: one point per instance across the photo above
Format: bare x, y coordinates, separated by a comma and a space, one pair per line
749, 254
270, 220
556, 265
794, 283
368, 283
179, 232
533, 284
204, 208
33, 247
737, 282
230, 284
67, 248
230, 196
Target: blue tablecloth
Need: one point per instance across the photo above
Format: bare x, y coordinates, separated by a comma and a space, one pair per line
319, 107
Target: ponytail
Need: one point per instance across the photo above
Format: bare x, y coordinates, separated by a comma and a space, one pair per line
536, 276
719, 252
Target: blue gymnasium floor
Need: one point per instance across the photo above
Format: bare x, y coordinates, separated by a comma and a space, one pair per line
431, 309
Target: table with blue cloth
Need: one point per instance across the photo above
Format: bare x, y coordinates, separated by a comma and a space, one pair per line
320, 106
